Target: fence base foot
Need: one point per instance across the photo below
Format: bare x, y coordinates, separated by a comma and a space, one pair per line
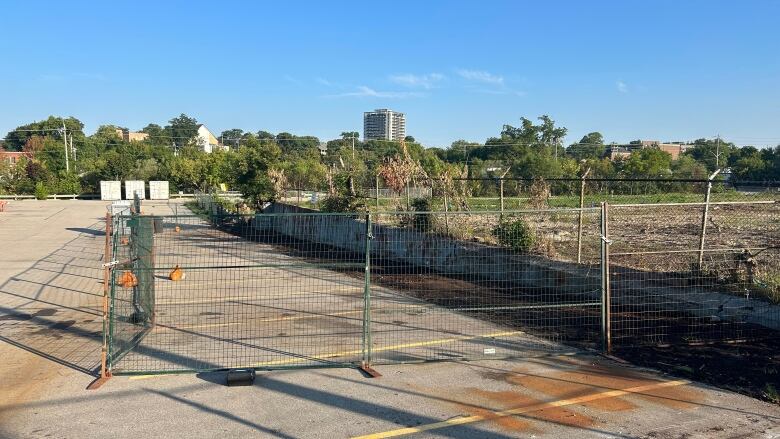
369, 371
240, 377
98, 382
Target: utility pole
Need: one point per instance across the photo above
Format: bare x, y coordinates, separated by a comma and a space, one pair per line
717, 152
65, 140
73, 154
353, 147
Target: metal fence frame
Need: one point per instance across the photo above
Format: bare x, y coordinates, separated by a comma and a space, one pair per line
220, 220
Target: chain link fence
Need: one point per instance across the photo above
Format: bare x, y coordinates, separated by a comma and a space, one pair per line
512, 193
290, 287
680, 275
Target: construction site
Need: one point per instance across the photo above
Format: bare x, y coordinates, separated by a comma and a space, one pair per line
623, 324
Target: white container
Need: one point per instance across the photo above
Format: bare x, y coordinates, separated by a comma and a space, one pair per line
159, 190
119, 208
133, 187
120, 211
110, 190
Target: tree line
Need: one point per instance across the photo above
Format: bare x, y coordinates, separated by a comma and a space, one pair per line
260, 163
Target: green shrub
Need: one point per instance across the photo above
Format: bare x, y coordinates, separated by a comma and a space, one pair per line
517, 235
41, 192
341, 203
421, 221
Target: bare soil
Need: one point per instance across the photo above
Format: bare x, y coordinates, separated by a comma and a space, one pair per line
750, 366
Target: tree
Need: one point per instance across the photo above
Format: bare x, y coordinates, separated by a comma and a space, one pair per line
306, 173
531, 150
251, 166
290, 143
182, 130
265, 135
108, 133
232, 137
748, 163
714, 153
648, 163
409, 139
156, 133
50, 127
591, 146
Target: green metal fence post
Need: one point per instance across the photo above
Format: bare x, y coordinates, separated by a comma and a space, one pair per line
366, 365
117, 226
606, 295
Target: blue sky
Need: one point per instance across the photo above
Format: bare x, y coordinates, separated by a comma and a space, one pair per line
675, 70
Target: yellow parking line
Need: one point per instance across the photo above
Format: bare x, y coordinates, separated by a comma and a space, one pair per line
274, 319
360, 351
384, 348
355, 293
521, 410
280, 319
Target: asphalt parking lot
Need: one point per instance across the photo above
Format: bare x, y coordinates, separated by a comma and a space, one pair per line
50, 335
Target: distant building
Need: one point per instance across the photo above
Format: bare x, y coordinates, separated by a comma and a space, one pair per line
11, 157
131, 136
384, 124
624, 151
206, 140
617, 152
136, 136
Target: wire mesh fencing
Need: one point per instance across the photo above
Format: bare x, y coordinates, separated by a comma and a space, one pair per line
689, 274
232, 294
483, 285
516, 193
291, 287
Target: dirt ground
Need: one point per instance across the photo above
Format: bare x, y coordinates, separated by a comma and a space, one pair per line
738, 356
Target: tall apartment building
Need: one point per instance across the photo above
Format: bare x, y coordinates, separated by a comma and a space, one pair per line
384, 124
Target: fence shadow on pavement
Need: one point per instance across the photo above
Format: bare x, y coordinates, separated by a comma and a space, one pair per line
53, 308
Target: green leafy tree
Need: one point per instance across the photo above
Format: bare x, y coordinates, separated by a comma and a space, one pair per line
156, 134
232, 137
648, 163
713, 153
591, 146
251, 166
291, 144
49, 128
182, 130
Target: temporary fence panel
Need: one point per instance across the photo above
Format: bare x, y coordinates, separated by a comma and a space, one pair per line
238, 295
291, 287
693, 274
159, 190
110, 190
467, 286
135, 187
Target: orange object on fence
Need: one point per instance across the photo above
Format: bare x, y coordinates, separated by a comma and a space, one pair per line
128, 280
176, 274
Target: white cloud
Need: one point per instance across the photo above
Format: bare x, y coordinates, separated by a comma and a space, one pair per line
481, 76
293, 80
498, 91
324, 82
363, 92
621, 86
425, 81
